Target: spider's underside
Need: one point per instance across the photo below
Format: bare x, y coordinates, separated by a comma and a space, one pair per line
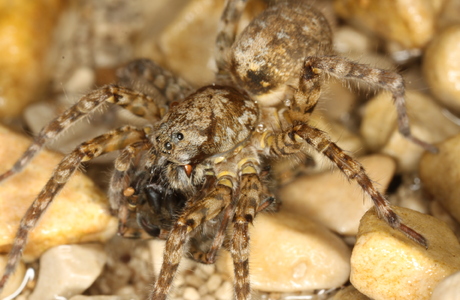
198, 166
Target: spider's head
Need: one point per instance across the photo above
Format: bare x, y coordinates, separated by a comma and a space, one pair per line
211, 121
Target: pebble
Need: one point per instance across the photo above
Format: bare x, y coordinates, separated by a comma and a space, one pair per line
189, 40
333, 201
225, 291
440, 174
191, 294
291, 253
448, 288
15, 280
441, 67
25, 47
68, 270
350, 293
213, 282
385, 264
411, 23
79, 213
427, 122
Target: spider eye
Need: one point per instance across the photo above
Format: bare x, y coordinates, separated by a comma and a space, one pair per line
168, 146
180, 136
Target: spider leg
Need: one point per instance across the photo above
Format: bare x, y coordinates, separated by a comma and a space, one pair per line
143, 73
344, 69
137, 103
122, 197
291, 140
196, 212
227, 32
249, 204
111, 141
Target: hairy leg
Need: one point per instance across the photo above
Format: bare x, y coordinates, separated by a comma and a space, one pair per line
137, 103
196, 212
111, 141
342, 68
227, 33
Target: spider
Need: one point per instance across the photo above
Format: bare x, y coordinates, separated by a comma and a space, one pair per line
199, 164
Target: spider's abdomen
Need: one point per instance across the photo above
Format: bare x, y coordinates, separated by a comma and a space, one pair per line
213, 120
269, 53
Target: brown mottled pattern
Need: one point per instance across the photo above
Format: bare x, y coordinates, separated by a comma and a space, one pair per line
210, 144
270, 51
212, 120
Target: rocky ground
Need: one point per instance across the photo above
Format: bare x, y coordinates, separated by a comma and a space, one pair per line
326, 242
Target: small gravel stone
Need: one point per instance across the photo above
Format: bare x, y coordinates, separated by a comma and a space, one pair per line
388, 265
291, 253
78, 214
214, 282
68, 270
440, 174
380, 131
81, 297
411, 23
191, 294
225, 291
448, 288
332, 200
194, 280
441, 67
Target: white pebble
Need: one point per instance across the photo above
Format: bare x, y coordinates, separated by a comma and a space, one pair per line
214, 282
68, 270
224, 292
191, 294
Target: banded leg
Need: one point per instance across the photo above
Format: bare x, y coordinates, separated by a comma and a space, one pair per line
227, 33
122, 197
196, 212
137, 103
250, 202
143, 73
110, 141
344, 69
289, 142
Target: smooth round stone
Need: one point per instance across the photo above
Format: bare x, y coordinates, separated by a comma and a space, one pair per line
411, 23
333, 201
448, 288
78, 214
427, 122
292, 253
386, 264
441, 67
68, 270
440, 174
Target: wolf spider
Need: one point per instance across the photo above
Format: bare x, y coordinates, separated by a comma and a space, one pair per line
200, 160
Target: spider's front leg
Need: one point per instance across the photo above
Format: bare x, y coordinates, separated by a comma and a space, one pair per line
102, 144
137, 103
290, 142
195, 213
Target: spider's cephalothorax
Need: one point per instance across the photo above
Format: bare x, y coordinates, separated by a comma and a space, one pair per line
198, 167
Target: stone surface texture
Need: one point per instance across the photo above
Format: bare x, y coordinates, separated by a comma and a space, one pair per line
385, 264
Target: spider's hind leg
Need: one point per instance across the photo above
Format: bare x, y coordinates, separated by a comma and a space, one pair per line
227, 32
